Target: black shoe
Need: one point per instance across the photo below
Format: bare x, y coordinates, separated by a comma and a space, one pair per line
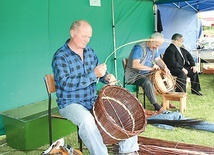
197, 93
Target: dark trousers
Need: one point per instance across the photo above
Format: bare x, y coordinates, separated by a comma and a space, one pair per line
148, 87
181, 79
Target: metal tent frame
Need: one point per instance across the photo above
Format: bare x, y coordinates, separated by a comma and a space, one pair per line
191, 5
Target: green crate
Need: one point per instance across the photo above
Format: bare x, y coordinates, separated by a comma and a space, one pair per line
27, 126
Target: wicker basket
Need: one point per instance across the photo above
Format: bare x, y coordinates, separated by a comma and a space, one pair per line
118, 114
163, 83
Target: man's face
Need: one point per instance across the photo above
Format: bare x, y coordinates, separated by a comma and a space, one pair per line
82, 35
180, 42
154, 45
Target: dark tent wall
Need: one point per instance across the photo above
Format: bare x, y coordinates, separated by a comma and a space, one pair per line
32, 30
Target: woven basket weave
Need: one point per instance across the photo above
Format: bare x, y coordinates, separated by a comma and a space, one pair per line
118, 114
163, 83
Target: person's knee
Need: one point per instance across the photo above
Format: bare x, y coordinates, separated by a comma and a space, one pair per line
87, 121
192, 76
147, 84
181, 77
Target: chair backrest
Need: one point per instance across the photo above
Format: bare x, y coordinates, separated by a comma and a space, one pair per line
49, 82
124, 62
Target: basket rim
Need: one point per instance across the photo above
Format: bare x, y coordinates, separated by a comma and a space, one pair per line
119, 128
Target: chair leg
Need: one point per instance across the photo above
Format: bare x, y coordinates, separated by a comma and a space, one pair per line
79, 140
165, 103
50, 120
50, 130
144, 100
137, 91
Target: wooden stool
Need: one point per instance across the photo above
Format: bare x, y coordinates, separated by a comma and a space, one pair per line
174, 96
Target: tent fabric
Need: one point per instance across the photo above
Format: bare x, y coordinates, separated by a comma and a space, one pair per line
190, 5
179, 21
31, 31
2, 130
40, 32
159, 22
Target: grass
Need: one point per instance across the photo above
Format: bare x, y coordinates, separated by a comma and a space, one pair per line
197, 107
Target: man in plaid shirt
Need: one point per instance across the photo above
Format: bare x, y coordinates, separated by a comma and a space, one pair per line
76, 71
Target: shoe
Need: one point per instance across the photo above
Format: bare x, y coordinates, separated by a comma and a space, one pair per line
131, 153
172, 106
197, 93
160, 110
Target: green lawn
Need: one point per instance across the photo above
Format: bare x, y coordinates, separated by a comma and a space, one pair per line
201, 107
197, 107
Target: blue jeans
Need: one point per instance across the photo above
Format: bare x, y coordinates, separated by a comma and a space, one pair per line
89, 132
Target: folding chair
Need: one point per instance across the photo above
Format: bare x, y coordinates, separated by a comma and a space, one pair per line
50, 86
124, 62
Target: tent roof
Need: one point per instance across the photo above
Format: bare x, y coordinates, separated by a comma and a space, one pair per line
193, 5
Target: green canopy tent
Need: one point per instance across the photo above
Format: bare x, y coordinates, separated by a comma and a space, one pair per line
31, 31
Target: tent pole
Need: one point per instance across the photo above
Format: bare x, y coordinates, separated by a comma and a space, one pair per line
155, 16
114, 39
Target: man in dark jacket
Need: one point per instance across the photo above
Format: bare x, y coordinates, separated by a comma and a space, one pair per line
181, 64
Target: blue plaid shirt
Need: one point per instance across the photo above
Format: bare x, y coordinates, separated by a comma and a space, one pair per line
75, 79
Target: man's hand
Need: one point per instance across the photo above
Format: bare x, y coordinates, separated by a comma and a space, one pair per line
100, 70
166, 70
155, 67
110, 78
194, 69
185, 71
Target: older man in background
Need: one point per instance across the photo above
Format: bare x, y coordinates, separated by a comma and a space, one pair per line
144, 59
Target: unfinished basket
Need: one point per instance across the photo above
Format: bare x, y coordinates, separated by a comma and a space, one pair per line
163, 83
118, 114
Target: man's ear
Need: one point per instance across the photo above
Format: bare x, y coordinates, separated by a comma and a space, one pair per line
72, 33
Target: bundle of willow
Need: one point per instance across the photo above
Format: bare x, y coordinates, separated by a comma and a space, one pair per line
188, 122
150, 146
176, 123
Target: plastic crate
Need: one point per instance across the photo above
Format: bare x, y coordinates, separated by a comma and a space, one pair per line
27, 126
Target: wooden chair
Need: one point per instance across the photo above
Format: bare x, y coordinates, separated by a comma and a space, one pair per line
50, 86
124, 62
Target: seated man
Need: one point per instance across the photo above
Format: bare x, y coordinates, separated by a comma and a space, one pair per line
181, 64
141, 63
76, 70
